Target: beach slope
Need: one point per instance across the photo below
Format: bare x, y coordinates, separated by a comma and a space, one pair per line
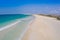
43, 28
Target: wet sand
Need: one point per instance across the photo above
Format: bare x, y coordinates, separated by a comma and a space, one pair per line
14, 32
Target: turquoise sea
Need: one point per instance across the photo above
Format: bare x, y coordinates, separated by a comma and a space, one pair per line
8, 18
17, 31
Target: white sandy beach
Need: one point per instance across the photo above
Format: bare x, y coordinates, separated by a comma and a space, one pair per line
37, 28
43, 28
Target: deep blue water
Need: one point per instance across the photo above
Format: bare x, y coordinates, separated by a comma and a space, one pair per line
9, 17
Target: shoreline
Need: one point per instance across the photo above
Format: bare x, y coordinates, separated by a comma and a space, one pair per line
25, 30
16, 31
9, 25
13, 23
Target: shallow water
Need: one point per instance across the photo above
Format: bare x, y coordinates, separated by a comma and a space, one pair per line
16, 31
8, 18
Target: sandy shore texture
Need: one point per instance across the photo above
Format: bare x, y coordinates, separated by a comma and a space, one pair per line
16, 31
43, 28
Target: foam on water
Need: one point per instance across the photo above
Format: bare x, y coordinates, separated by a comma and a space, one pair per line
8, 18
17, 30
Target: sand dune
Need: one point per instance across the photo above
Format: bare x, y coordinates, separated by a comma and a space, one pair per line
43, 28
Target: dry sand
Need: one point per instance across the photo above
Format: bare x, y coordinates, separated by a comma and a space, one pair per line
43, 28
